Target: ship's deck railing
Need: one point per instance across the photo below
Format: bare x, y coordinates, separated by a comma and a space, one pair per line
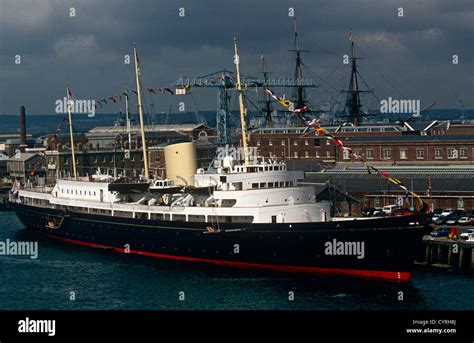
38, 189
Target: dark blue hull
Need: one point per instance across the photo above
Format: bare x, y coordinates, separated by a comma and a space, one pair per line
390, 244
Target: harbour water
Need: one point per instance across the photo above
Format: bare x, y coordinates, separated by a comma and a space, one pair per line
67, 277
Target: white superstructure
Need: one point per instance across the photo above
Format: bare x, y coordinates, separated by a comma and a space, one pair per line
257, 193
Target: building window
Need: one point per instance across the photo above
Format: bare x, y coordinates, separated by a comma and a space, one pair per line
317, 153
463, 153
403, 154
306, 142
369, 153
438, 153
270, 142
295, 154
258, 142
328, 154
283, 142
358, 152
452, 153
317, 142
328, 142
387, 154
104, 160
306, 154
420, 154
295, 142
95, 159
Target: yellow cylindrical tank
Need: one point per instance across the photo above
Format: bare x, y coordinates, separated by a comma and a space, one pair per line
181, 162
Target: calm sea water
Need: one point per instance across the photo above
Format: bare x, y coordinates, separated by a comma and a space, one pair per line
107, 280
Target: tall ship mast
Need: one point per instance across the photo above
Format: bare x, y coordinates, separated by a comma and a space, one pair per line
353, 104
246, 212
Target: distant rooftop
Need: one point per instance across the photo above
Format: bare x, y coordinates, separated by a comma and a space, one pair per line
23, 156
411, 138
148, 128
332, 128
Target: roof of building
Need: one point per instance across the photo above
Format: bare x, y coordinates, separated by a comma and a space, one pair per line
376, 184
23, 156
340, 129
148, 128
411, 138
356, 179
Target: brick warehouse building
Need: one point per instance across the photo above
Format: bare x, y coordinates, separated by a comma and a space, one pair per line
435, 143
415, 153
443, 187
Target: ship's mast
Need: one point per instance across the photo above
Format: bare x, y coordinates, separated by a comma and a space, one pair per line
140, 111
127, 118
300, 96
69, 104
267, 101
353, 102
243, 111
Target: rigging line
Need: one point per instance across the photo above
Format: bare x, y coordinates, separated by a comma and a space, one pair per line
391, 81
144, 108
247, 98
317, 76
371, 89
338, 66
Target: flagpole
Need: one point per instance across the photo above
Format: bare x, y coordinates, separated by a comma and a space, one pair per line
140, 111
70, 130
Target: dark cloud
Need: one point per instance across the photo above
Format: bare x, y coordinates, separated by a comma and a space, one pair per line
410, 55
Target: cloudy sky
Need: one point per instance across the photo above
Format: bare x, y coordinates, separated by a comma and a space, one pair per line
406, 57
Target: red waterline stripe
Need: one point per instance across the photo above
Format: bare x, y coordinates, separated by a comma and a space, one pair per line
400, 276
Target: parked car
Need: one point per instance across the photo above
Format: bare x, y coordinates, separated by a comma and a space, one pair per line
465, 235
379, 213
435, 216
453, 219
438, 211
442, 232
368, 212
402, 212
389, 209
446, 212
464, 220
460, 213
440, 220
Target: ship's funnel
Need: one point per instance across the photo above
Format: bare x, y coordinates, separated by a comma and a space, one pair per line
181, 163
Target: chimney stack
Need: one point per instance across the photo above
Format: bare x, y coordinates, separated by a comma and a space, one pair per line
23, 144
